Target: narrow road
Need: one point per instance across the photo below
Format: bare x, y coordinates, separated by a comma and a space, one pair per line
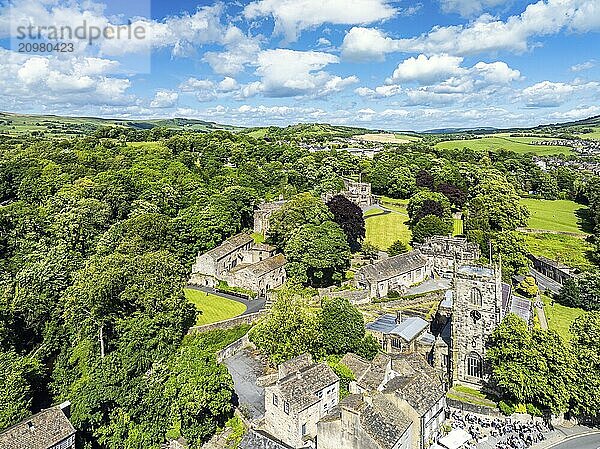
252, 305
581, 442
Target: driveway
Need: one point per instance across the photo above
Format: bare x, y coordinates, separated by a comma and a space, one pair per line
252, 305
245, 369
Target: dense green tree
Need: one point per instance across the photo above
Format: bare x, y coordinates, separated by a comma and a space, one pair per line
425, 200
586, 347
583, 292
401, 183
530, 366
342, 325
398, 247
349, 217
302, 209
21, 383
318, 255
429, 226
290, 329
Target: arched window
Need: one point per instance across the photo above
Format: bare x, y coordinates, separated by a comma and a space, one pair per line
474, 365
476, 297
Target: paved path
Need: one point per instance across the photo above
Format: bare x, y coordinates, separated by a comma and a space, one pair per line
541, 314
580, 442
252, 305
245, 369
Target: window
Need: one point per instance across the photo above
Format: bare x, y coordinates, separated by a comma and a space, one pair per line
275, 400
396, 343
320, 394
303, 430
474, 365
476, 297
286, 407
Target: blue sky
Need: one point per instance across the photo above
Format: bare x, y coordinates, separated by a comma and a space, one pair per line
380, 64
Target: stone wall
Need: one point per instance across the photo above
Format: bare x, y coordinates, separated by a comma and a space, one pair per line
251, 318
233, 348
472, 408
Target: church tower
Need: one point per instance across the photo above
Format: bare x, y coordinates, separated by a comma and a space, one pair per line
476, 311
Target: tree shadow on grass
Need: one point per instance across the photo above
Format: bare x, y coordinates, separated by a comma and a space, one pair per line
584, 220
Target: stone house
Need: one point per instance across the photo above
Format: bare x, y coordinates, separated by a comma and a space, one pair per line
303, 393
418, 390
48, 429
553, 269
368, 376
359, 193
396, 273
365, 421
240, 262
414, 389
398, 334
444, 252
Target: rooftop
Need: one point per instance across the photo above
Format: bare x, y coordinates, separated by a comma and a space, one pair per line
40, 431
476, 270
265, 266
408, 329
521, 307
230, 245
300, 386
393, 266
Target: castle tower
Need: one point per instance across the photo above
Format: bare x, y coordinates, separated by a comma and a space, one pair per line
476, 311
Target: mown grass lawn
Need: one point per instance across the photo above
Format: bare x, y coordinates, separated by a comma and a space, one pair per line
504, 143
560, 317
385, 229
458, 227
572, 251
213, 307
556, 215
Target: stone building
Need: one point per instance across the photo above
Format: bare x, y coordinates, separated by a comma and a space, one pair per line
395, 273
262, 216
398, 334
414, 390
553, 269
240, 262
48, 429
303, 393
418, 390
444, 252
359, 193
476, 311
365, 421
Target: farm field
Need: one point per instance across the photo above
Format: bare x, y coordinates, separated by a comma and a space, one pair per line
383, 229
557, 215
387, 138
560, 317
214, 308
568, 249
516, 144
593, 135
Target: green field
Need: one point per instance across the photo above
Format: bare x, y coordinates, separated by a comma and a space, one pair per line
560, 317
457, 227
593, 135
570, 250
516, 144
213, 308
557, 215
383, 229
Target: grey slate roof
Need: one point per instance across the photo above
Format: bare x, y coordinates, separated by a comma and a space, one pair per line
379, 417
299, 387
265, 266
230, 245
258, 439
419, 383
506, 294
393, 266
368, 375
521, 307
41, 431
476, 270
408, 329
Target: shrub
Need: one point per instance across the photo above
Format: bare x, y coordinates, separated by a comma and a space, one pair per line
533, 410
506, 407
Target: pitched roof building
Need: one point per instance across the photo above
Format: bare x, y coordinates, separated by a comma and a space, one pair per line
303, 393
397, 333
395, 273
48, 429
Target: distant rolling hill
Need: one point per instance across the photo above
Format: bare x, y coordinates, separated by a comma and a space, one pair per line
18, 124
